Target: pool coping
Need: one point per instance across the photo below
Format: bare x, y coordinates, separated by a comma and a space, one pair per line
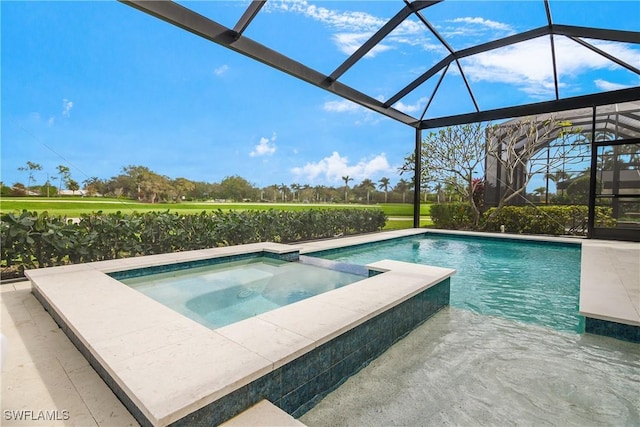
169, 366
610, 282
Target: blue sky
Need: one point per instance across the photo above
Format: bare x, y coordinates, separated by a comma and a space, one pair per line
97, 86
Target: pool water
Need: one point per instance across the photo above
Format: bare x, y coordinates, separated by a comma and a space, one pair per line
461, 368
532, 282
226, 293
508, 351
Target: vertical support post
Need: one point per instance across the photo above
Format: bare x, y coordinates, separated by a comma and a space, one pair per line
416, 179
546, 188
591, 220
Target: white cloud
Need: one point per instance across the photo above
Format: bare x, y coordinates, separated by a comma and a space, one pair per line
363, 115
528, 66
266, 147
348, 43
351, 20
494, 25
606, 86
51, 121
341, 106
221, 70
66, 107
411, 108
353, 28
334, 167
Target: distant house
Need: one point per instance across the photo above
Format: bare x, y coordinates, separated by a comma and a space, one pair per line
71, 193
628, 182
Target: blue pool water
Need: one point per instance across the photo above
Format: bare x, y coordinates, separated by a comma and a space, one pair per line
505, 353
221, 294
532, 282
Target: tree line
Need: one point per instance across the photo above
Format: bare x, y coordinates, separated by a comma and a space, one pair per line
453, 163
141, 183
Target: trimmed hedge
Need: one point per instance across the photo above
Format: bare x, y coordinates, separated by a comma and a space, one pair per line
452, 216
553, 220
31, 240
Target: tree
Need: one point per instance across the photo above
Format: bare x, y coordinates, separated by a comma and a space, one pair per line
63, 176
384, 184
283, 191
237, 188
323, 193
516, 148
540, 192
456, 156
182, 187
295, 188
18, 189
556, 177
92, 185
368, 186
453, 155
31, 167
149, 185
578, 190
438, 188
402, 186
346, 180
73, 185
306, 192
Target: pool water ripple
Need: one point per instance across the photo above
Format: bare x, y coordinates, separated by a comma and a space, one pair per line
462, 368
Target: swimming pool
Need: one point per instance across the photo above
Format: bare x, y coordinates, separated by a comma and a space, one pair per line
509, 349
532, 282
225, 293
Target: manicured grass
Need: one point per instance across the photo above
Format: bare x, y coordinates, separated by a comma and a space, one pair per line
73, 207
397, 224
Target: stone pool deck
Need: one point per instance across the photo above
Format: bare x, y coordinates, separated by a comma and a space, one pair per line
47, 381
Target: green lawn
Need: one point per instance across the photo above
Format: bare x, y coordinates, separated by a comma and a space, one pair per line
74, 206
400, 214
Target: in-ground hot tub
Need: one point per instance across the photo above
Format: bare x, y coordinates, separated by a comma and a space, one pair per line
168, 369
222, 293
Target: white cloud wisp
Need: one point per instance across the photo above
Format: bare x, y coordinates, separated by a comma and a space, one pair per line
265, 147
66, 107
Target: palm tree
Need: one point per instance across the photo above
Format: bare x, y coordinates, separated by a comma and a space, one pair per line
296, 190
540, 191
368, 185
558, 176
346, 180
438, 189
283, 188
63, 175
30, 167
402, 186
384, 185
73, 186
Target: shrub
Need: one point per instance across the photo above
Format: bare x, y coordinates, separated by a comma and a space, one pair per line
31, 240
453, 216
553, 220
